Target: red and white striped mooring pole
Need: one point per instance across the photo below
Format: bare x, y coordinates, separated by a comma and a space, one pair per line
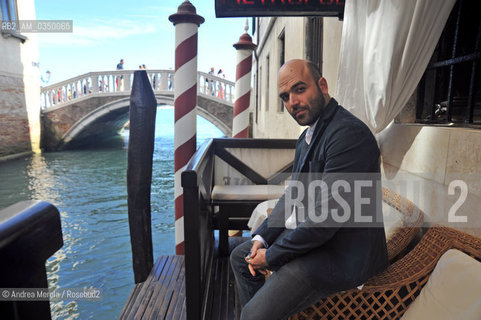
186, 22
240, 125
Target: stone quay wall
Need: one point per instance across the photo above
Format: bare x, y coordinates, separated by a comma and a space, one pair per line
14, 125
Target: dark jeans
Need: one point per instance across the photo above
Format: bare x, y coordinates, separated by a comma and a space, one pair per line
285, 293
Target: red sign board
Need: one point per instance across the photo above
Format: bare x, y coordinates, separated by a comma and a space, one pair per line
258, 8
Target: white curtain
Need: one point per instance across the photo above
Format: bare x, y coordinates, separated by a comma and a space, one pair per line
385, 48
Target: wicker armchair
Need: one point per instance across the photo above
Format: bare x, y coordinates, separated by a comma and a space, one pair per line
388, 295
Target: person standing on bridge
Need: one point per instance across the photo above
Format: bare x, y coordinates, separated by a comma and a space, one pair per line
220, 92
211, 81
120, 66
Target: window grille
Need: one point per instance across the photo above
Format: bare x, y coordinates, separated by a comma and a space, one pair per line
450, 89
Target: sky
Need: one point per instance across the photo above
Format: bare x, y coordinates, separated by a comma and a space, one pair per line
139, 32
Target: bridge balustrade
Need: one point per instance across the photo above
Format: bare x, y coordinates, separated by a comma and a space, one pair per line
213, 86
120, 82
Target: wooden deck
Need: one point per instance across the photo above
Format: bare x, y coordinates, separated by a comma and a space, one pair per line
162, 295
221, 303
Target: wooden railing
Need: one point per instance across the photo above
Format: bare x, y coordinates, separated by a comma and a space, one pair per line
30, 233
112, 82
201, 217
198, 230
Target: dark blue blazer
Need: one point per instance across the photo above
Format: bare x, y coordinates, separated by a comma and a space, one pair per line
335, 256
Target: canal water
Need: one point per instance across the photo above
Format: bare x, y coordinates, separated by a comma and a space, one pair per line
89, 189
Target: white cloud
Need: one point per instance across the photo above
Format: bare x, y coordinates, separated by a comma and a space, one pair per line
96, 32
154, 13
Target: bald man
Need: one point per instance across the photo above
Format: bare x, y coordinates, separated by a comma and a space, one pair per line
312, 259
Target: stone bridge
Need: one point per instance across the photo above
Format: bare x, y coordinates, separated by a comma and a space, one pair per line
96, 105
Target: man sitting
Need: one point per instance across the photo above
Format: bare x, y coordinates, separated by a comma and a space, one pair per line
313, 259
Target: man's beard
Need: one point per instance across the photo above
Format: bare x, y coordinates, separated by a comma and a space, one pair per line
312, 114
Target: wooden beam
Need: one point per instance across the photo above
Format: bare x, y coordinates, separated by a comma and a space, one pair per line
240, 166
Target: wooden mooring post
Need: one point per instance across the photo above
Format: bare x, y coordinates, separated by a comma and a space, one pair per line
143, 108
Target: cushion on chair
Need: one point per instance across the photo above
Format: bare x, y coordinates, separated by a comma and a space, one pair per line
260, 213
452, 292
247, 192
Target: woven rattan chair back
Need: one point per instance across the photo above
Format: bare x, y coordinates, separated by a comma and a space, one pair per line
389, 294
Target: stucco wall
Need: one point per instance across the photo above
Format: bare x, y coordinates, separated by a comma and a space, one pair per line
14, 127
271, 122
420, 162
331, 42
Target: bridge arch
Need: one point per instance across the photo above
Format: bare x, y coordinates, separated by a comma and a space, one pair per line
110, 118
117, 110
